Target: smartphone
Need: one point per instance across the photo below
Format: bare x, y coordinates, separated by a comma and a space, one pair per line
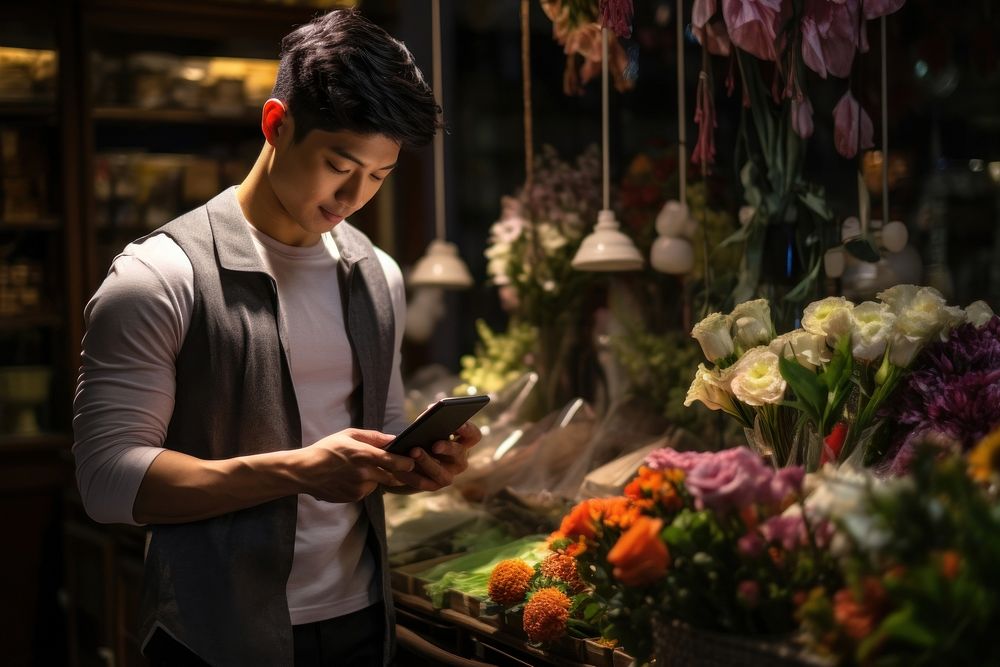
437, 422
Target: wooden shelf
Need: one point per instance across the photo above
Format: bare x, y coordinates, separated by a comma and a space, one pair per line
38, 111
39, 225
138, 116
29, 321
38, 442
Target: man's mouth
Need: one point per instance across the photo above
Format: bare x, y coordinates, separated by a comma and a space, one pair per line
330, 217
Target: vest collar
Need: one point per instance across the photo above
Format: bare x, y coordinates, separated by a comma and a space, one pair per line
235, 246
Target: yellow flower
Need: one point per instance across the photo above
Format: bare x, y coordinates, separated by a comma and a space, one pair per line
545, 615
509, 582
984, 460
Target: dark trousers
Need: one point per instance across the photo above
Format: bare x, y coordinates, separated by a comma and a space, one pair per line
353, 640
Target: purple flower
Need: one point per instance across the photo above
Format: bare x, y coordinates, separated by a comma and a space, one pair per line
728, 479
748, 592
784, 483
951, 394
616, 15
750, 545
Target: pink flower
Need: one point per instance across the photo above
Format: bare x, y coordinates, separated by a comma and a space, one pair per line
877, 8
852, 126
788, 531
748, 593
784, 483
728, 480
752, 25
802, 117
750, 545
831, 35
667, 458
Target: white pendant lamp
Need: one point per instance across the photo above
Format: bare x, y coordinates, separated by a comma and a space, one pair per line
606, 248
441, 266
672, 252
894, 234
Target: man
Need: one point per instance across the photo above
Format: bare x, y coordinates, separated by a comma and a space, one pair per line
224, 349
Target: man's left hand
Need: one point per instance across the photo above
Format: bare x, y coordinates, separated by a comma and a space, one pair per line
438, 467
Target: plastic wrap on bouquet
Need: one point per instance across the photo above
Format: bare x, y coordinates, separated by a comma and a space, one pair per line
680, 645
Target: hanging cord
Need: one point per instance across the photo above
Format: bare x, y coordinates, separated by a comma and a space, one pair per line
885, 130
529, 151
439, 136
606, 162
681, 124
705, 78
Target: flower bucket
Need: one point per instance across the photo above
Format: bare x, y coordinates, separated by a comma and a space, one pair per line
679, 645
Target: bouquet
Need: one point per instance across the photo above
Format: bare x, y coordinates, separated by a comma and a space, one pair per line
819, 393
919, 556
715, 540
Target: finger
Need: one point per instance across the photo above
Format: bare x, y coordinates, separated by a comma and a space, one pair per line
377, 475
391, 462
417, 481
447, 449
369, 437
468, 434
429, 467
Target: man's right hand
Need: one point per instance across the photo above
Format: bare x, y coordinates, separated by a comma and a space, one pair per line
348, 465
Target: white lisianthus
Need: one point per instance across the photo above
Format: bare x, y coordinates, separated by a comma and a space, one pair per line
979, 313
841, 495
755, 378
873, 323
762, 330
750, 332
924, 316
898, 297
498, 261
708, 387
833, 317
808, 349
712, 333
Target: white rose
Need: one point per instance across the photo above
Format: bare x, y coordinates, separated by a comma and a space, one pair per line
873, 323
979, 313
831, 317
709, 388
712, 333
808, 349
756, 379
924, 316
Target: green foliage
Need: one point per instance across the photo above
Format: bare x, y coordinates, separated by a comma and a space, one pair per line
500, 358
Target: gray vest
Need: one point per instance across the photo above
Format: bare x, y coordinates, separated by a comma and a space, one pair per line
218, 585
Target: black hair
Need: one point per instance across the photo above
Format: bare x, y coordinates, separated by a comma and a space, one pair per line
343, 72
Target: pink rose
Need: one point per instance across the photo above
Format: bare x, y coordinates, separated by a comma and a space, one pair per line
784, 483
728, 480
752, 25
852, 126
750, 545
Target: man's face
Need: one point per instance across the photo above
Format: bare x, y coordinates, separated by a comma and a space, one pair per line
326, 176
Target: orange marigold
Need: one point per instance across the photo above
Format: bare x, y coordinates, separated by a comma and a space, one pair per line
562, 567
581, 520
509, 582
659, 486
545, 615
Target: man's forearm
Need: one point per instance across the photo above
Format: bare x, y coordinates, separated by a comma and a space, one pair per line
178, 488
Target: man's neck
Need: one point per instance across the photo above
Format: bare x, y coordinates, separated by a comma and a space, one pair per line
262, 208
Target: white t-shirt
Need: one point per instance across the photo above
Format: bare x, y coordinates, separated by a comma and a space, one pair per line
136, 323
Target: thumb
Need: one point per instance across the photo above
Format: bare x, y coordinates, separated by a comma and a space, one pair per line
374, 438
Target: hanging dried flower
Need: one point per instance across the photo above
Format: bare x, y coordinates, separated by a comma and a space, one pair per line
616, 15
509, 582
546, 614
852, 128
704, 116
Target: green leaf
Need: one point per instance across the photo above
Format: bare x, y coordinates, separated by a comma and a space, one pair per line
800, 291
817, 204
863, 248
806, 386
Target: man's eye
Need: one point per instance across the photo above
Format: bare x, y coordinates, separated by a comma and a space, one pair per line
339, 171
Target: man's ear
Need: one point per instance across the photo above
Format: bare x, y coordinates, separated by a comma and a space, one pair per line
273, 118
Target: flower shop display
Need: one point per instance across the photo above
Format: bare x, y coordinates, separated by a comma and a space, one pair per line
699, 538
820, 393
920, 558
